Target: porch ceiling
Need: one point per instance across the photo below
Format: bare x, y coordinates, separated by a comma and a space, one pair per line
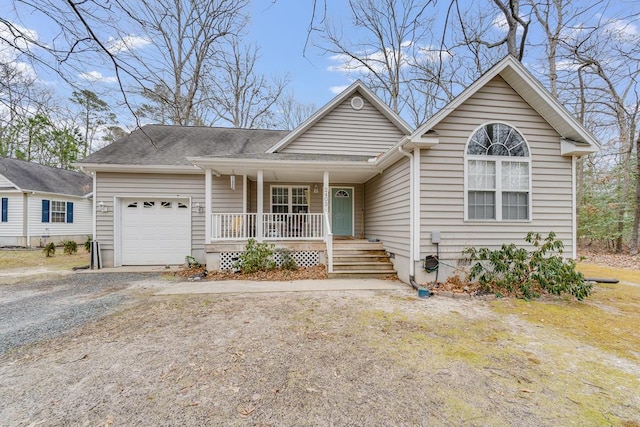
293, 171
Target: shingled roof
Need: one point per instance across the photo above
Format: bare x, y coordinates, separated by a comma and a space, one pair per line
29, 176
171, 145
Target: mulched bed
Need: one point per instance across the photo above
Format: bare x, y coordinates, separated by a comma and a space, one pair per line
302, 273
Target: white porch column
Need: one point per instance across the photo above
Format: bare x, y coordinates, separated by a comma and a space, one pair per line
260, 201
325, 192
245, 192
207, 206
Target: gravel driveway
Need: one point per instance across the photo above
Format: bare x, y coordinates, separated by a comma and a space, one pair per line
30, 312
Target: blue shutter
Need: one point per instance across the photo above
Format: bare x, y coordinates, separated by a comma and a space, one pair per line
45, 211
69, 212
5, 209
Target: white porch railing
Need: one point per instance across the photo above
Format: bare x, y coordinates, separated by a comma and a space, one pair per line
238, 226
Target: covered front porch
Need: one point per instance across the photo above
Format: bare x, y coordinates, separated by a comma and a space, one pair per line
297, 205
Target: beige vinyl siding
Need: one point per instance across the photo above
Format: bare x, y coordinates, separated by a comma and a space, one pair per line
347, 131
387, 208
442, 176
111, 185
81, 226
15, 217
223, 198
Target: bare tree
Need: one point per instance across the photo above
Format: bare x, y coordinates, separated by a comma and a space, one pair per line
291, 113
240, 95
188, 36
609, 57
389, 31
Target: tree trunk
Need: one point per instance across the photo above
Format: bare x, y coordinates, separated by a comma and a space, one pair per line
633, 244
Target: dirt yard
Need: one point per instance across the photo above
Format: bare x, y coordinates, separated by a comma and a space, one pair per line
342, 358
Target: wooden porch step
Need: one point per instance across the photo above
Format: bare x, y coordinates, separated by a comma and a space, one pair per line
359, 258
361, 274
358, 266
362, 258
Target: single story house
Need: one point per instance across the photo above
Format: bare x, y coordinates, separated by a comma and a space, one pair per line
352, 186
42, 204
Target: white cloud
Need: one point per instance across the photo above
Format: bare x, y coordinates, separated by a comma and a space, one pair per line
126, 43
338, 89
623, 30
96, 76
376, 61
21, 39
500, 23
369, 61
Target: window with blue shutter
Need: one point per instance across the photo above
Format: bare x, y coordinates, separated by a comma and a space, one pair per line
69, 212
45, 211
5, 209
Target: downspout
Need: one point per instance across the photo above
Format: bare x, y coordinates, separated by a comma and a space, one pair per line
574, 207
412, 280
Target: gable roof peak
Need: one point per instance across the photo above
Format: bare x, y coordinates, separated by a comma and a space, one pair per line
523, 82
356, 86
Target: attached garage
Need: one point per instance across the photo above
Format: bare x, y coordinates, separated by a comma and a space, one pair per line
155, 231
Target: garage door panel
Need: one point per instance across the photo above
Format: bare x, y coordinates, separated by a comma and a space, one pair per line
155, 232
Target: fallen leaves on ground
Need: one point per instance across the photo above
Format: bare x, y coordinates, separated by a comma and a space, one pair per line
302, 273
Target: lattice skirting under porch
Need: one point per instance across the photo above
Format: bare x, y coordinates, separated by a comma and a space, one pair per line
302, 258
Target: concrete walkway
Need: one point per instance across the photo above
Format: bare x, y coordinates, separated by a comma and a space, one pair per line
246, 286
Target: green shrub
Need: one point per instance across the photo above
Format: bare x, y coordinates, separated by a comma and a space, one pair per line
287, 261
50, 249
256, 257
87, 244
516, 270
191, 262
70, 247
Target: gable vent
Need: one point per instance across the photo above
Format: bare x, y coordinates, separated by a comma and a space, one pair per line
357, 103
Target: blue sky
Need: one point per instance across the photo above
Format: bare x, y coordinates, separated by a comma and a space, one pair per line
280, 29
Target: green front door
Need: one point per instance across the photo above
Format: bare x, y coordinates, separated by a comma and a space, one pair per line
342, 211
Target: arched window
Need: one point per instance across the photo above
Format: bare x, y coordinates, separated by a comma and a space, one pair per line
498, 171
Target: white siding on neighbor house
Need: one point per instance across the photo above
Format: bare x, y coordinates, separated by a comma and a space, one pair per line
442, 177
387, 212
133, 185
15, 215
4, 182
82, 218
344, 130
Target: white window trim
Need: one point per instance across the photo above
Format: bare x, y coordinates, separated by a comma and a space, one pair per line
51, 212
290, 198
498, 190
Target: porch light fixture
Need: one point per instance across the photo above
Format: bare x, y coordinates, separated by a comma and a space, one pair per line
315, 189
198, 207
102, 207
233, 182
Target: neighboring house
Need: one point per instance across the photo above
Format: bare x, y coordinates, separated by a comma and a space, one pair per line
41, 204
495, 163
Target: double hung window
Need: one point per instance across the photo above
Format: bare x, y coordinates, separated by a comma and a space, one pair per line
498, 172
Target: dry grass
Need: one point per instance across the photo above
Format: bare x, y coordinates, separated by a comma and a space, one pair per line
33, 258
600, 271
329, 358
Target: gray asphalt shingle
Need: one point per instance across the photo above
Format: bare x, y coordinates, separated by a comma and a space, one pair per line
171, 145
35, 177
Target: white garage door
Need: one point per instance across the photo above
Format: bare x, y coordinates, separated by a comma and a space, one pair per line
155, 231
